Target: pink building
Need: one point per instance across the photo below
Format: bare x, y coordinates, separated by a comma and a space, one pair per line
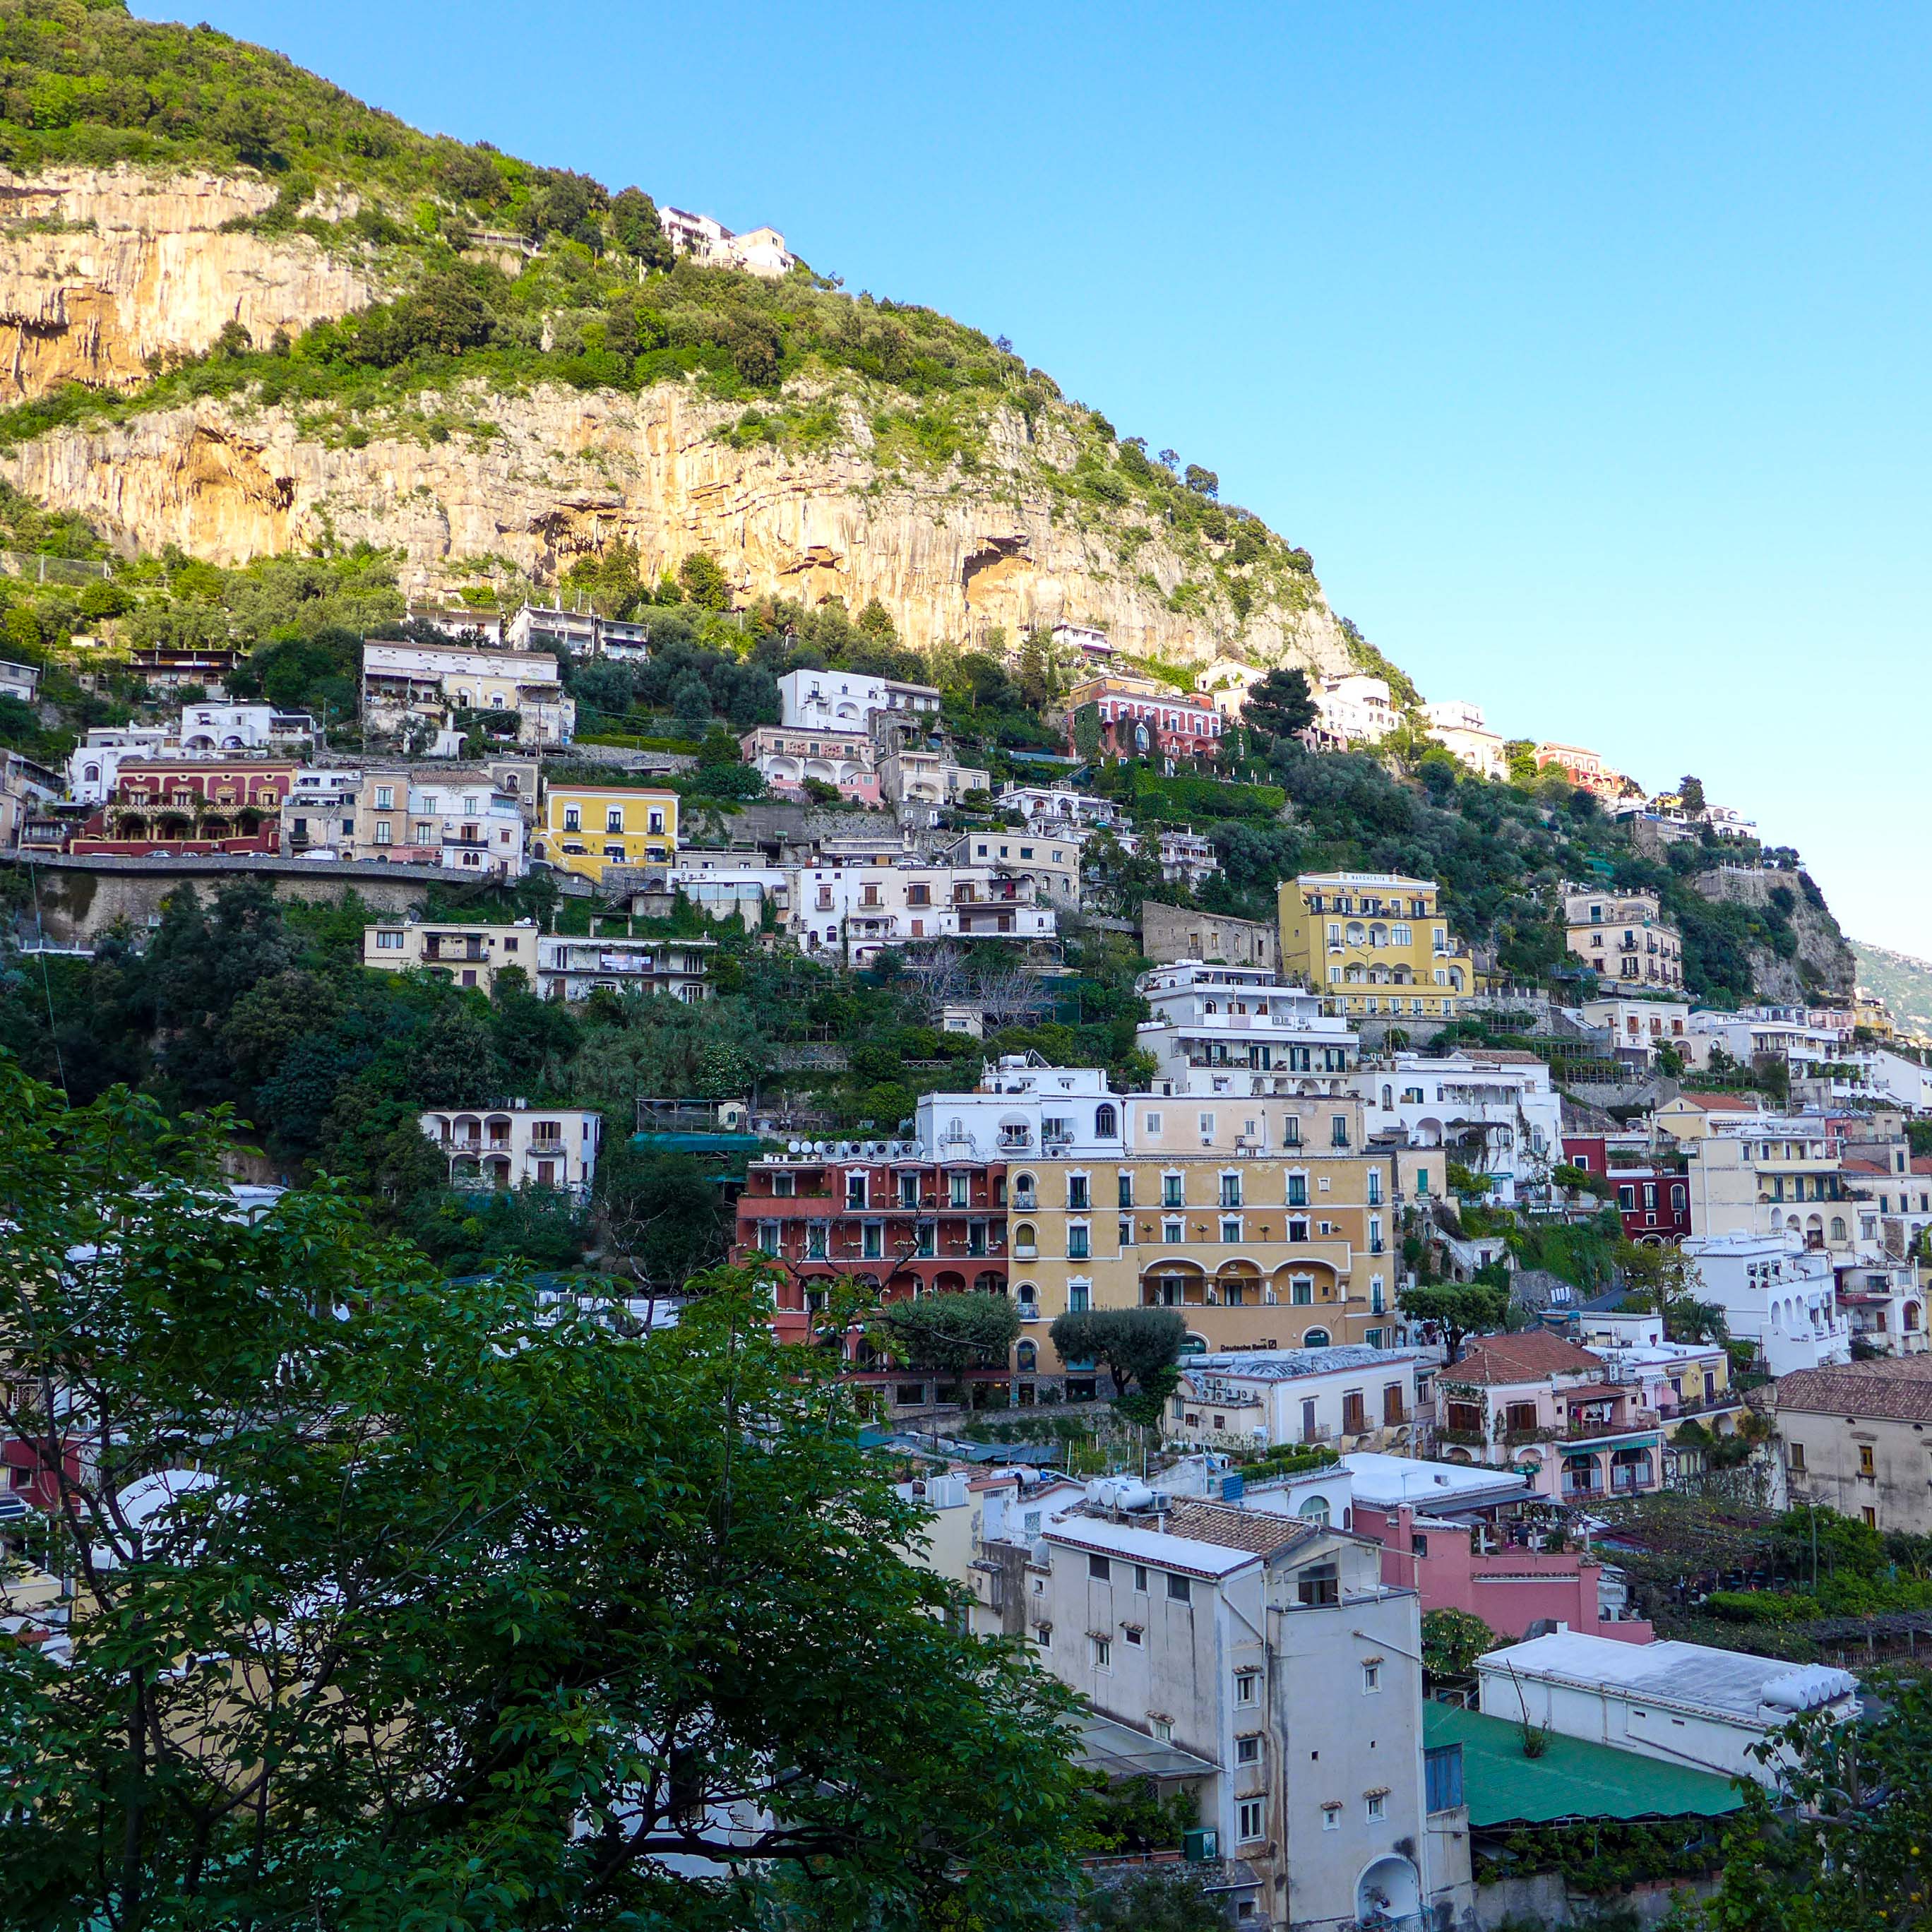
1551, 1412
1479, 1567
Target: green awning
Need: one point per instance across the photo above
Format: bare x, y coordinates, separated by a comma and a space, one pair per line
1572, 1779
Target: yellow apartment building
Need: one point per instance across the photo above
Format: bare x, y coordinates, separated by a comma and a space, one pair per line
1283, 1231
590, 828
1374, 943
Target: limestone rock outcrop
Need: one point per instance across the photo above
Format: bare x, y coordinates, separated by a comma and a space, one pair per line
557, 473
101, 270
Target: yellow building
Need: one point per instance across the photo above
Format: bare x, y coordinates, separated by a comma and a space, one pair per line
590, 828
1375, 943
1285, 1232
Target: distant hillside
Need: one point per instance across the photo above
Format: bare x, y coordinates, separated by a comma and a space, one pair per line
1903, 982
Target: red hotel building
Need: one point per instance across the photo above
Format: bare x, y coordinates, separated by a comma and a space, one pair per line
167, 806
1140, 718
1653, 1201
905, 1225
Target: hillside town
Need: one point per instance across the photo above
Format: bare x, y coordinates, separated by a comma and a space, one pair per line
1328, 1389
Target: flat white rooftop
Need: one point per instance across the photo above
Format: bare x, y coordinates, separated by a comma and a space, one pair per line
1391, 1482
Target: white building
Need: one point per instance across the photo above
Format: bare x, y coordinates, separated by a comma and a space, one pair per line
1239, 1030
1274, 1397
858, 909
518, 1146
787, 758
1227, 682
842, 700
19, 680
209, 729
1060, 809
476, 829
1641, 1026
94, 764
1460, 728
1051, 860
1780, 1297
318, 814
923, 782
1685, 1703
433, 682
1356, 710
1498, 1108
1261, 1659
570, 968
1087, 639
1023, 1109
759, 251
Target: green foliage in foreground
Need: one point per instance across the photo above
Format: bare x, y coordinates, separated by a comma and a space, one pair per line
473, 1612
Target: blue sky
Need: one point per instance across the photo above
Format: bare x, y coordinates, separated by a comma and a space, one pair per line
1584, 349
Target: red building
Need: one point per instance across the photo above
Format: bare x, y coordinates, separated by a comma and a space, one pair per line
1653, 1201
192, 806
904, 1225
1140, 718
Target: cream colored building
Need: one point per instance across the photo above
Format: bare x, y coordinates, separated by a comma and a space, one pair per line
470, 955
1373, 943
1461, 729
1265, 1221
1623, 935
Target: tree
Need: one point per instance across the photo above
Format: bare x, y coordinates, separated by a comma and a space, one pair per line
662, 1213
413, 1600
1280, 705
1854, 1857
1690, 795
703, 581
1452, 1640
1203, 482
1139, 1348
635, 227
949, 1335
1169, 458
1087, 738
1459, 1309
1175, 1899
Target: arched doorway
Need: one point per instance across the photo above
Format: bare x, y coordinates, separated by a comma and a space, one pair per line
1389, 1893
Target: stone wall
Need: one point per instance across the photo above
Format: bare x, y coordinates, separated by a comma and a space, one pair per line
74, 901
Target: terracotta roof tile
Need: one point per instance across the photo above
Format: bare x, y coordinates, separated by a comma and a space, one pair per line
1237, 1528
1898, 1391
1722, 1103
1532, 1356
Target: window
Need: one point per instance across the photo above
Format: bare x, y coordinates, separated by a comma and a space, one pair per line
385, 833
1170, 1190
1099, 1568
389, 942
855, 1190
1338, 1131
1318, 1586
1078, 1244
1179, 1589
958, 1190
1099, 1653
1078, 1294
1127, 1190
613, 818
872, 1242
657, 820
1247, 1687
1077, 1197
1125, 1229
1250, 1822
1867, 1465
1230, 1190
1331, 1815
1297, 1190
1797, 1462
1354, 1417
1163, 1729
1141, 1579
1248, 1750
1106, 1122
1372, 1679
573, 818
1170, 1231
1301, 1292
1132, 1635
1153, 1123
908, 1190
386, 798
1870, 1516
1376, 1804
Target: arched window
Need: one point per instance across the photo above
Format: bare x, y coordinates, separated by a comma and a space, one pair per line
1026, 1357
1316, 1338
1838, 1227
93, 774
1023, 1239
1315, 1509
1106, 1122
1388, 1097
1023, 1194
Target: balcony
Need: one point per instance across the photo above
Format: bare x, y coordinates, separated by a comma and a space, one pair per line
547, 1143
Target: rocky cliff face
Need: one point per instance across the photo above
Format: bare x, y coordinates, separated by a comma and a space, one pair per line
101, 270
1821, 946
553, 475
